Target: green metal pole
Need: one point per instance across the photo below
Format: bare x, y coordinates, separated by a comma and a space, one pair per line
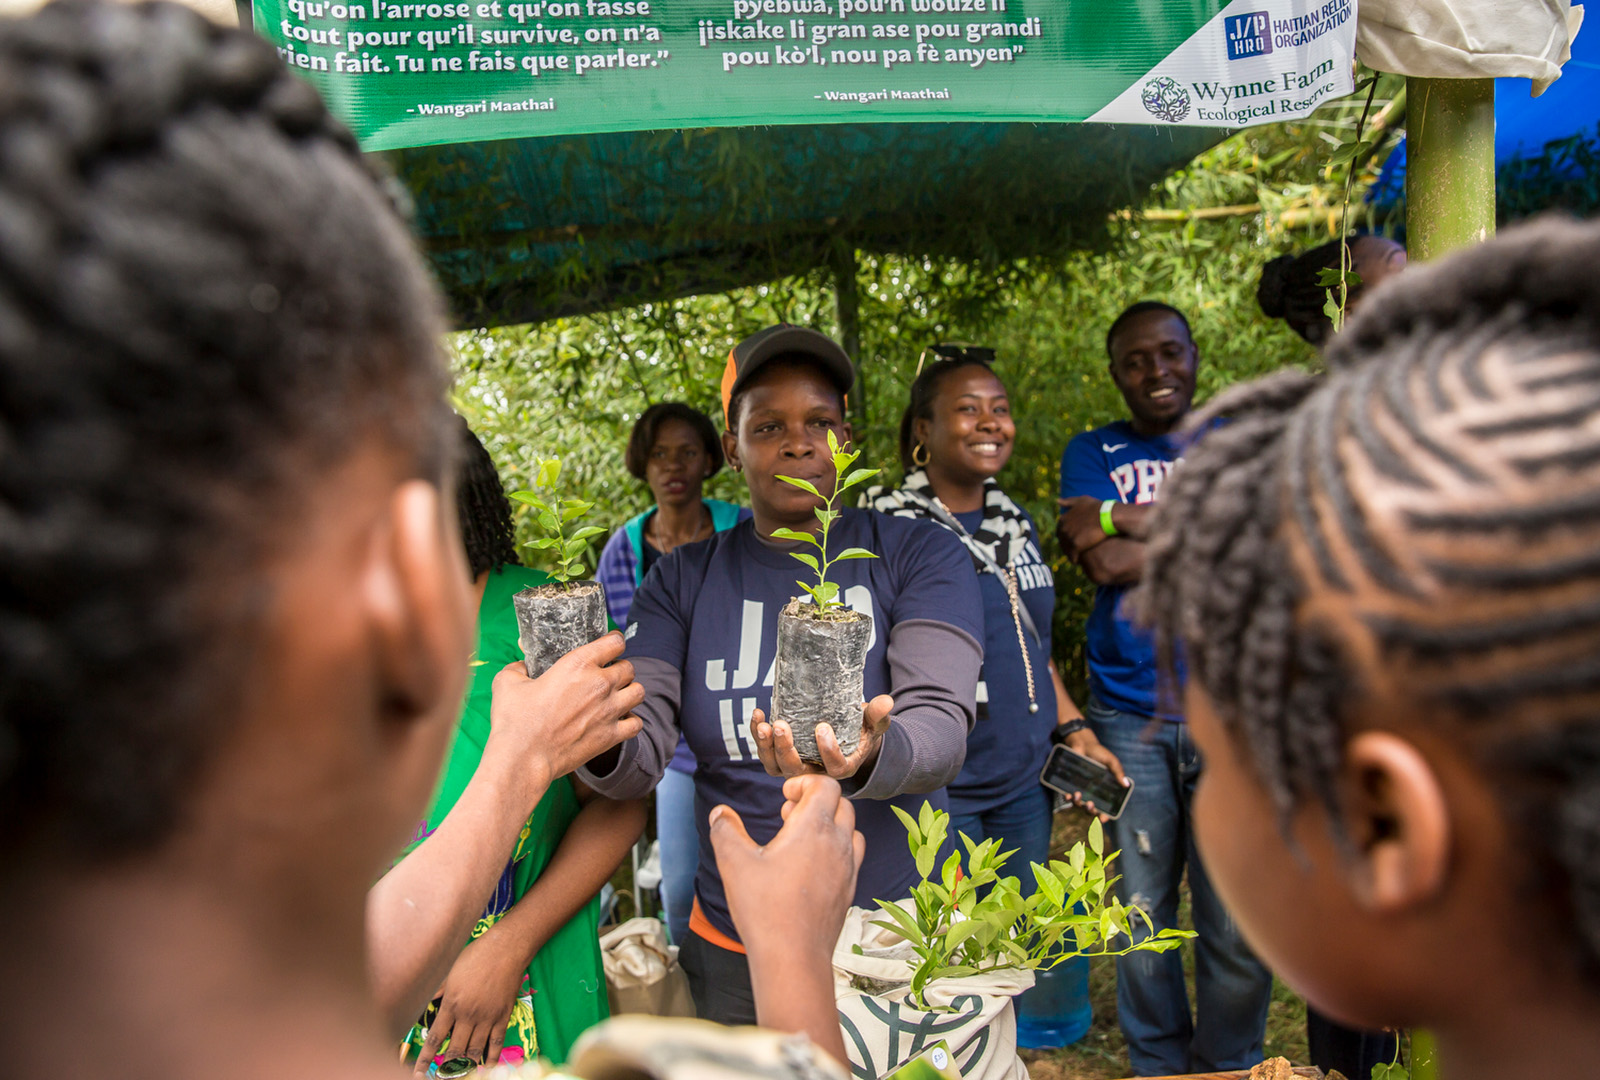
1450, 164
1424, 1060
847, 308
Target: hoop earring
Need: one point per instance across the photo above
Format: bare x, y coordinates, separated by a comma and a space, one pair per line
922, 462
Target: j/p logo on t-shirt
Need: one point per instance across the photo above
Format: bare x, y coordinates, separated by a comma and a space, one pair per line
737, 737
1141, 479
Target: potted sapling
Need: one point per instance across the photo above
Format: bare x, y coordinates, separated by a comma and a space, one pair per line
950, 957
554, 619
822, 645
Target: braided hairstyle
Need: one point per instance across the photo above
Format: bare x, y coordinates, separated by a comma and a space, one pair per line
205, 297
1418, 529
482, 508
925, 389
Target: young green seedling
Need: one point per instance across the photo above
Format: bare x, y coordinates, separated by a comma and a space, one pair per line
965, 921
553, 516
825, 593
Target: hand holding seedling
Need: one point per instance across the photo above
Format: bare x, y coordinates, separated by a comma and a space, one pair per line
775, 744
579, 709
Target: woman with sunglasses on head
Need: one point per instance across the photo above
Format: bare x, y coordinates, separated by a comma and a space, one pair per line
955, 436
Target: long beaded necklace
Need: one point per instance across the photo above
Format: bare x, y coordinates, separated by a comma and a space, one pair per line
1014, 593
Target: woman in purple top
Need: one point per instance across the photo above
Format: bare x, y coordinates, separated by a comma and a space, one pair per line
675, 450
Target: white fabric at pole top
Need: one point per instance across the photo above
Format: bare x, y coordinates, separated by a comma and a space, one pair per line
1469, 39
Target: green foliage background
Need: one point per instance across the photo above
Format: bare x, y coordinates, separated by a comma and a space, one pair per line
572, 387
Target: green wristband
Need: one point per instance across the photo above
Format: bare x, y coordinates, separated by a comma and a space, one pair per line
1106, 523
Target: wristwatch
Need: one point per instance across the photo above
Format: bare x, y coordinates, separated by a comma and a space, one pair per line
1060, 732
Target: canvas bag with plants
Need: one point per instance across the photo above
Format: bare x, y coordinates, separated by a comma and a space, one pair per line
944, 964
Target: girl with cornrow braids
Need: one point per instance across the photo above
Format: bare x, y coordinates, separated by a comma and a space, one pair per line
235, 618
1385, 587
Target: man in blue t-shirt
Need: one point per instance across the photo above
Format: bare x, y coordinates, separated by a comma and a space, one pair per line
1110, 481
702, 637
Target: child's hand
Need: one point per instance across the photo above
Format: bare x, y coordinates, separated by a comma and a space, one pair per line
788, 901
789, 897
476, 1002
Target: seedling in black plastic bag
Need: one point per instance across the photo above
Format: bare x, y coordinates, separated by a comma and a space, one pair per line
825, 594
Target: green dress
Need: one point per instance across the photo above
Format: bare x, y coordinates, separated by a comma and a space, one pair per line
565, 981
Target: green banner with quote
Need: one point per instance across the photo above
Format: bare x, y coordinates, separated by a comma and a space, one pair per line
415, 74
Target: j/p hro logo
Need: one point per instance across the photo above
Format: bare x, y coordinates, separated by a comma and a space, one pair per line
1165, 99
1248, 35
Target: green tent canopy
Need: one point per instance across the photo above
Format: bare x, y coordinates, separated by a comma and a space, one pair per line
529, 229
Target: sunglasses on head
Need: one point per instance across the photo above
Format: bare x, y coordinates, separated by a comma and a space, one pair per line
957, 350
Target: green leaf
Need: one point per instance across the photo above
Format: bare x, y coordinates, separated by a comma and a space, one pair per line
925, 859
853, 553
856, 477
833, 442
573, 549
549, 471
1049, 884
548, 522
903, 924
1097, 837
586, 532
1349, 152
528, 498
544, 542
912, 830
803, 485
827, 594
573, 509
961, 931
792, 534
809, 560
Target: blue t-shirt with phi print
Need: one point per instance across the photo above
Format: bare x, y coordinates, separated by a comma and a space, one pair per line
1116, 462
711, 610
1008, 744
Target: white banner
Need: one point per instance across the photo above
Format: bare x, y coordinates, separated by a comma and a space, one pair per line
1254, 62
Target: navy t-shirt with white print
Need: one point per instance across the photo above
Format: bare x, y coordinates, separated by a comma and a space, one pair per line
1116, 462
710, 610
1008, 744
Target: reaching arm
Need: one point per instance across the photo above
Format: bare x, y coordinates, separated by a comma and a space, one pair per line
421, 911
481, 989
788, 900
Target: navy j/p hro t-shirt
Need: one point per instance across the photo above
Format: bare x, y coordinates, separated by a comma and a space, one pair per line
710, 612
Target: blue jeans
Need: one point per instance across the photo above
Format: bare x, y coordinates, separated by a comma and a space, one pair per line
680, 849
1023, 823
1154, 834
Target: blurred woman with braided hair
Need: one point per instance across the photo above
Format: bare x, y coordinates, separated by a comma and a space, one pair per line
1385, 587
235, 620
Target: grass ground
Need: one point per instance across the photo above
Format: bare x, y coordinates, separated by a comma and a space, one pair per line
1102, 1054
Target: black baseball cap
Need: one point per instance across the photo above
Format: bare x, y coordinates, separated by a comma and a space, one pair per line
752, 354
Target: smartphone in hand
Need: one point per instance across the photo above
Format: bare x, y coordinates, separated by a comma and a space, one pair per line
1073, 774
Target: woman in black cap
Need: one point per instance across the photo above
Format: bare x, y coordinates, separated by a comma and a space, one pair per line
703, 636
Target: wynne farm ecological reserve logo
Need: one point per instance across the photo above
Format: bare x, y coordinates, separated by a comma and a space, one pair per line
1165, 99
1248, 35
